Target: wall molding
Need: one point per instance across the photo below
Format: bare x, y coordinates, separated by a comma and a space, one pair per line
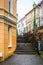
8, 12
8, 19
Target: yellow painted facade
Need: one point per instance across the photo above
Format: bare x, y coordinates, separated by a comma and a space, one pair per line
7, 29
30, 18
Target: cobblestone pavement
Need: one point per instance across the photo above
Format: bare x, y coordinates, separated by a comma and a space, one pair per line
23, 60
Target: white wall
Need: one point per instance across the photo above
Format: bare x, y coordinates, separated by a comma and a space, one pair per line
22, 24
19, 28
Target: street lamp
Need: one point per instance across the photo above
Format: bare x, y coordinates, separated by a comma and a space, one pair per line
34, 26
35, 31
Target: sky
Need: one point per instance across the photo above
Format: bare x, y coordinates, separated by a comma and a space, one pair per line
24, 6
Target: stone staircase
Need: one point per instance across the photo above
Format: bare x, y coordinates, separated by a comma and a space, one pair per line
25, 48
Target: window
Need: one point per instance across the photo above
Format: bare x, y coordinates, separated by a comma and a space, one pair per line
24, 30
19, 30
41, 22
37, 21
28, 16
22, 24
18, 25
10, 6
33, 13
36, 11
42, 10
10, 36
41, 14
29, 26
32, 25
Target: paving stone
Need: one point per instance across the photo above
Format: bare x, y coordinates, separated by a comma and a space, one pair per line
23, 60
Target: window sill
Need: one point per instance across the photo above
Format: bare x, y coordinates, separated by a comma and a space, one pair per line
10, 46
1, 55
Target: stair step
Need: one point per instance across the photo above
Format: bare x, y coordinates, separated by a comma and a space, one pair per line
25, 52
25, 49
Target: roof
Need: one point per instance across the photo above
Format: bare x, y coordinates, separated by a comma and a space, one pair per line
35, 7
40, 3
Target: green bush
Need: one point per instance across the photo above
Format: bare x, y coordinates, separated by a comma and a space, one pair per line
41, 54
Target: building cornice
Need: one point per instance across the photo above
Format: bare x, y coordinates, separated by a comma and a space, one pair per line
8, 13
8, 19
35, 7
9, 25
32, 10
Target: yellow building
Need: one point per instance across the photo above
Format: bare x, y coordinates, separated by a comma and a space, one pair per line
30, 18
38, 17
7, 28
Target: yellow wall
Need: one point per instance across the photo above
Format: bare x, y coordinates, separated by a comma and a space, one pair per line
30, 16
4, 35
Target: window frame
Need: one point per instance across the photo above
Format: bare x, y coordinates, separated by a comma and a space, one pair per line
10, 36
10, 6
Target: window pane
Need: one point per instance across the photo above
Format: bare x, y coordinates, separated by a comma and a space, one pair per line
10, 36
10, 6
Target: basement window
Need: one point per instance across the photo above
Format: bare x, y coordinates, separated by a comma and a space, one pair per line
10, 36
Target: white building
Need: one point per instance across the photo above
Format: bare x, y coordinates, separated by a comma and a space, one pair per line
21, 26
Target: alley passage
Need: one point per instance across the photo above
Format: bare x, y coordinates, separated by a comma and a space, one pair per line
23, 60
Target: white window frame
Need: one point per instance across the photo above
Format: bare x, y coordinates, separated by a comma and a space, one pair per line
10, 37
1, 54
